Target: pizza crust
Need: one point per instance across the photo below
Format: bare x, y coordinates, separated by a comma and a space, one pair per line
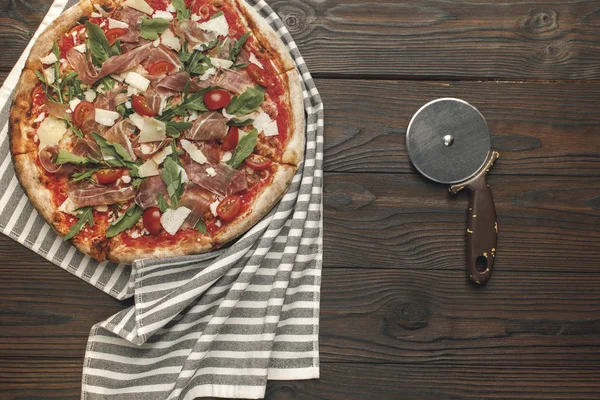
293, 152
28, 174
266, 35
193, 244
261, 205
21, 132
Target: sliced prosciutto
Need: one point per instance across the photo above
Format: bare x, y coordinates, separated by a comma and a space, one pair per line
133, 18
82, 147
226, 181
175, 83
89, 75
161, 53
148, 150
209, 125
83, 194
55, 109
148, 191
192, 32
120, 134
154, 100
234, 81
196, 199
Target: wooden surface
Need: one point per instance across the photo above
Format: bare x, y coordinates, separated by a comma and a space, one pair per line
400, 321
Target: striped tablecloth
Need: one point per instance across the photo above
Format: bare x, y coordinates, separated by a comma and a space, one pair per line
219, 324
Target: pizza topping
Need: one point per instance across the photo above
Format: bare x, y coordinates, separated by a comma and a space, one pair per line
229, 208
119, 135
243, 149
255, 61
216, 99
151, 220
106, 117
238, 83
161, 68
89, 194
163, 14
193, 33
84, 217
141, 107
211, 125
108, 176
56, 109
256, 74
49, 59
148, 168
47, 156
114, 23
230, 141
80, 48
173, 84
257, 162
151, 28
115, 33
161, 155
128, 219
148, 192
248, 101
51, 130
140, 5
152, 131
170, 40
137, 81
194, 152
172, 220
263, 123
226, 181
217, 25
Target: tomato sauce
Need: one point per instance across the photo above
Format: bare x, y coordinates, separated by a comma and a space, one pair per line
158, 4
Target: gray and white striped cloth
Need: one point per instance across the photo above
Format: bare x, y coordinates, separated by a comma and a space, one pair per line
218, 324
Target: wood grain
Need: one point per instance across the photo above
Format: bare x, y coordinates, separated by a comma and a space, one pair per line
415, 39
538, 128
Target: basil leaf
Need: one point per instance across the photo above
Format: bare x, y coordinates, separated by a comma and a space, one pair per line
182, 11
243, 149
233, 122
174, 128
86, 174
66, 157
162, 203
237, 47
151, 28
201, 226
83, 218
98, 44
247, 102
128, 219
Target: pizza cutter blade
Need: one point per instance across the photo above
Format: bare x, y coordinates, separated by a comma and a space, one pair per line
448, 141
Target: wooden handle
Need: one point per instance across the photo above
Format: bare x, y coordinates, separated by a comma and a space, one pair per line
482, 225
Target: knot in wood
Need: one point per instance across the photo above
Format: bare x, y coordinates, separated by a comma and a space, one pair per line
409, 316
347, 196
297, 16
541, 20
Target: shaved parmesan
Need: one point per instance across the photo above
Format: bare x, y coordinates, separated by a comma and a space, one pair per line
90, 95
213, 207
184, 175
40, 117
101, 208
217, 25
226, 156
218, 223
49, 75
137, 81
211, 171
169, 40
172, 220
95, 15
161, 155
126, 179
195, 17
209, 72
171, 8
139, 5
127, 104
115, 23
80, 48
156, 43
163, 14
193, 151
51, 130
106, 117
152, 131
49, 59
264, 123
193, 116
131, 91
67, 206
73, 103
149, 168
137, 120
221, 63
254, 60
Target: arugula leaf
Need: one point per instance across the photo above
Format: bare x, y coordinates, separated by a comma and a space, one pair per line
128, 219
83, 218
193, 102
85, 174
136, 182
201, 226
124, 111
74, 128
66, 157
116, 47
98, 44
247, 102
243, 149
239, 66
162, 203
217, 15
107, 83
246, 122
182, 11
171, 176
174, 128
151, 28
237, 46
115, 154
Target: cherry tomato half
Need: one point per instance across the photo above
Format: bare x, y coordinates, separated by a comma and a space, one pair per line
82, 111
216, 98
151, 220
229, 208
257, 162
161, 68
141, 106
256, 73
108, 176
113, 34
230, 140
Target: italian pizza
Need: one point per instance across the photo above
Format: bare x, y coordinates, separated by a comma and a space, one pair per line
155, 128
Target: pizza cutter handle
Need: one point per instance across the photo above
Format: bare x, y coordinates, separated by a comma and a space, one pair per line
482, 225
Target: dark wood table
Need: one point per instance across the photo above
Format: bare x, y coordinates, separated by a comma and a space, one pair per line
399, 318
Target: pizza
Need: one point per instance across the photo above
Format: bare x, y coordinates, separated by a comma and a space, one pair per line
154, 128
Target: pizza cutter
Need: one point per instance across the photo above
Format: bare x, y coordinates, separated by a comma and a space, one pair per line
448, 141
